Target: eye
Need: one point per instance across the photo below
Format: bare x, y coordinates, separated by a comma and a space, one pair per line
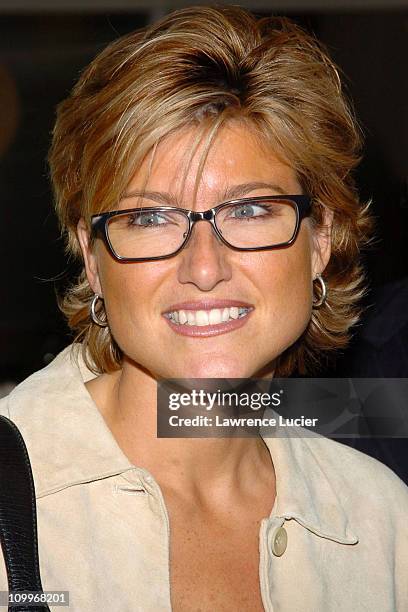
248, 210
148, 219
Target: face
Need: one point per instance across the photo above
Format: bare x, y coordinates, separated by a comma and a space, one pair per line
274, 287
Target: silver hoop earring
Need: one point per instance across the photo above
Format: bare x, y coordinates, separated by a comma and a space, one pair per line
323, 292
94, 314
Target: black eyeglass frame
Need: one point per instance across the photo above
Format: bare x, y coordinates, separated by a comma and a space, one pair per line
99, 223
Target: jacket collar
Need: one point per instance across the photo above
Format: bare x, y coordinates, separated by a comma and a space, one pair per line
67, 439
310, 486
69, 443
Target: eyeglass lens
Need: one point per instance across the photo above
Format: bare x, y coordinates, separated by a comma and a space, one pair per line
154, 233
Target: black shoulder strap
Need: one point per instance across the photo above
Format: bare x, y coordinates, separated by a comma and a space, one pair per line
18, 519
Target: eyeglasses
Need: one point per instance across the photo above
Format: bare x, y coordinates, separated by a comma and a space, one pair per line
157, 232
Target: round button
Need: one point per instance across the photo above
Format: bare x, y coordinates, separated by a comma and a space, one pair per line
279, 542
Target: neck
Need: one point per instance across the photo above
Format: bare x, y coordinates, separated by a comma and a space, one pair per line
127, 401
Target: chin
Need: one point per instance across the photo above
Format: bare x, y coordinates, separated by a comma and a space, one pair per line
214, 367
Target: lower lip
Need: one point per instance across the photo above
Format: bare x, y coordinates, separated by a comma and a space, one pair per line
205, 331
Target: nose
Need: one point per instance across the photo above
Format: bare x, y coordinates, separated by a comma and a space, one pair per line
205, 260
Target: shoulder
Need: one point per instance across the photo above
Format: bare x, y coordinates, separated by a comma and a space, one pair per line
365, 480
42, 388
55, 413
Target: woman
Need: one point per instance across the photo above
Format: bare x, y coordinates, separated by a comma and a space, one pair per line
209, 110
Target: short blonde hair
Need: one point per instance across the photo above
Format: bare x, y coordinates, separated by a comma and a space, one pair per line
207, 65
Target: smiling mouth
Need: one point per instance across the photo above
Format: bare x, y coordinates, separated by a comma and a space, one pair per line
204, 318
205, 323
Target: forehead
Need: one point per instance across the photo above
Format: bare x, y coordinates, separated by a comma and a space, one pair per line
187, 162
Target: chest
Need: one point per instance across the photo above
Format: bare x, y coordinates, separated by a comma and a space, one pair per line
119, 553
214, 567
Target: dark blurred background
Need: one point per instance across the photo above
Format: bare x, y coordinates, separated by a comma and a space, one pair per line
44, 46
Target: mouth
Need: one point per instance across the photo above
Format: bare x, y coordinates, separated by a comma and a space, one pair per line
207, 319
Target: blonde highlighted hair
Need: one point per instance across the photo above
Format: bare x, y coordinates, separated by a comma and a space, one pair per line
204, 66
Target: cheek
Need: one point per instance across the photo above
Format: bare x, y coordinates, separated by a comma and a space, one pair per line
129, 291
285, 280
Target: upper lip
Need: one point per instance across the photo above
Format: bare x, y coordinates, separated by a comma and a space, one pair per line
207, 305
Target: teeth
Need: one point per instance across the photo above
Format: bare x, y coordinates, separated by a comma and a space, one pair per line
191, 318
215, 316
201, 318
181, 315
234, 312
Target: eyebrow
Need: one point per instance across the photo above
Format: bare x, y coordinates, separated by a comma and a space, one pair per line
161, 197
235, 191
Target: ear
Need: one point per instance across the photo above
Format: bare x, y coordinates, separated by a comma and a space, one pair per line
321, 243
89, 256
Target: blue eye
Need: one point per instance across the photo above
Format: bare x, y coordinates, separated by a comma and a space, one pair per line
147, 219
247, 211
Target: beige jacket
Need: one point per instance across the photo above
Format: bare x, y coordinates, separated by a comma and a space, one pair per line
104, 531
